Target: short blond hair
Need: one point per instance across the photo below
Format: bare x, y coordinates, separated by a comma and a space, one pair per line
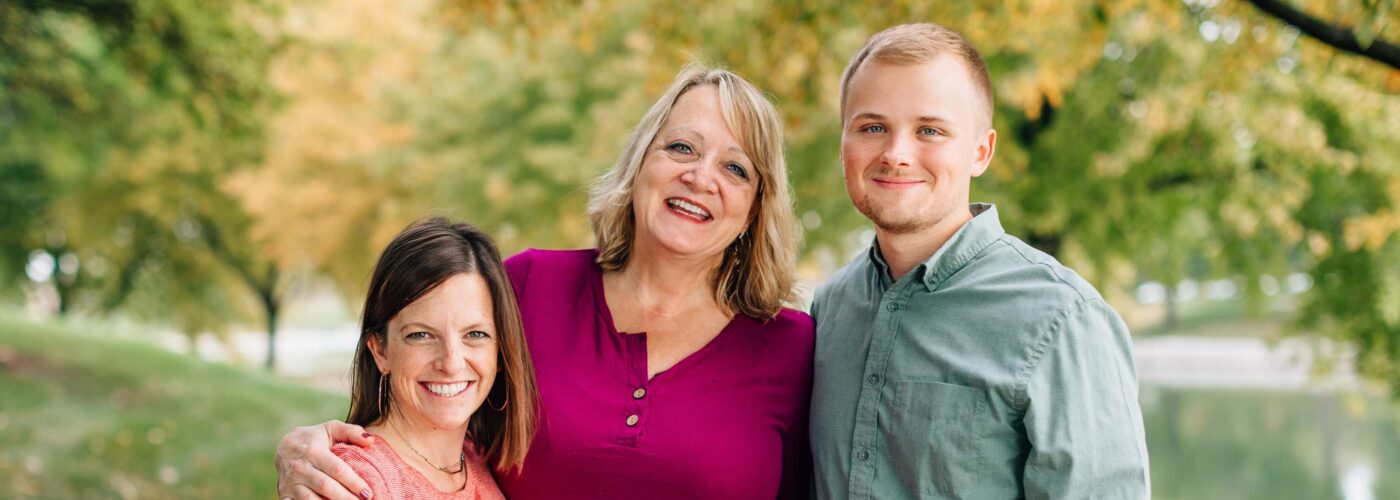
755, 276
918, 43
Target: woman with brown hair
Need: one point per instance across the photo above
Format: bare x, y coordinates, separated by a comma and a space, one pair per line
441, 335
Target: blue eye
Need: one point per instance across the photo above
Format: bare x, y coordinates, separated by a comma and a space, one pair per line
874, 129
478, 334
930, 131
416, 336
680, 147
737, 169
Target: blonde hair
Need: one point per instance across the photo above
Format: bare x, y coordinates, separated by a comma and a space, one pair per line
909, 44
755, 276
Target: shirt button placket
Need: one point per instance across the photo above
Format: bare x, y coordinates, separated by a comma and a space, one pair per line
634, 418
634, 405
867, 432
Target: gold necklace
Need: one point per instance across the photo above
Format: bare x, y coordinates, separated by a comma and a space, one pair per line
461, 460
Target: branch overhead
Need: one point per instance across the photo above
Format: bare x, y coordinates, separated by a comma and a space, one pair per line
1339, 37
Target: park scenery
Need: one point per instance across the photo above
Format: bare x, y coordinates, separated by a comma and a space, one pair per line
193, 193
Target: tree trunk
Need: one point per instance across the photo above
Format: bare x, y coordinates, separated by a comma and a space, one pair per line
270, 306
64, 293
64, 287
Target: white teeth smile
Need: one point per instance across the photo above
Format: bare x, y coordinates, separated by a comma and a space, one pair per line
688, 208
447, 390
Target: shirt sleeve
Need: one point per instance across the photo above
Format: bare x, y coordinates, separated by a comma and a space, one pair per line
518, 270
1082, 417
817, 298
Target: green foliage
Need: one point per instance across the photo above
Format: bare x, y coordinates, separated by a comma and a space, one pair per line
130, 114
23, 196
87, 415
1139, 139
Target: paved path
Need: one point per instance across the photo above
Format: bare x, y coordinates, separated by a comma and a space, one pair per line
1237, 363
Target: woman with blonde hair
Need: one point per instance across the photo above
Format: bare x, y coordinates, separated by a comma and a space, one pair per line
667, 361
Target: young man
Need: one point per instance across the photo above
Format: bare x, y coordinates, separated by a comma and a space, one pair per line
953, 360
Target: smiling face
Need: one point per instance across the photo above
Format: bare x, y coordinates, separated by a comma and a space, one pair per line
913, 137
440, 354
696, 188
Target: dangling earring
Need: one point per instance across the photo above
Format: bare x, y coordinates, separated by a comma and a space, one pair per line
383, 380
739, 244
505, 364
505, 403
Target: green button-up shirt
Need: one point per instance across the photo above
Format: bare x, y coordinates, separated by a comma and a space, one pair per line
989, 371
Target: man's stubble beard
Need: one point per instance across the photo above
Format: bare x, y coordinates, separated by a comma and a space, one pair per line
890, 219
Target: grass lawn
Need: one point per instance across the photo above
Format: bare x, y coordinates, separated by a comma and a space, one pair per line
84, 414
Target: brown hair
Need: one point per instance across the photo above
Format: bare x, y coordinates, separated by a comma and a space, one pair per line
909, 44
755, 277
419, 259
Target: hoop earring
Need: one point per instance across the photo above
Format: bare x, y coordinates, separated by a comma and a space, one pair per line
500, 377
504, 404
383, 381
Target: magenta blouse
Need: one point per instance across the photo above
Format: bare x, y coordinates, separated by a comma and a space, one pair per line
729, 421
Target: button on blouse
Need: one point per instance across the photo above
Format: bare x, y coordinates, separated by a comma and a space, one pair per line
728, 421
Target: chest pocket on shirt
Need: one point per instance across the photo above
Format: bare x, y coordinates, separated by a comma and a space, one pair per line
937, 432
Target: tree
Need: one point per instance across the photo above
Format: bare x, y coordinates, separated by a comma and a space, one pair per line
1363, 42
1140, 139
169, 98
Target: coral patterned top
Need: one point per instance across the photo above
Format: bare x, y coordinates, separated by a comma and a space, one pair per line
390, 477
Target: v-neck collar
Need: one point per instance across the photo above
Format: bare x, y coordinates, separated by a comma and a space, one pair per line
600, 302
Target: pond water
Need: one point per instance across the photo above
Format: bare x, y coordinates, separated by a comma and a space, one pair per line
1271, 444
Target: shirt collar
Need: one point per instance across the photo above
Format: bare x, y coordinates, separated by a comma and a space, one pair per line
966, 243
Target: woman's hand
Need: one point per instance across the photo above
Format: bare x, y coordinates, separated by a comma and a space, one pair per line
307, 470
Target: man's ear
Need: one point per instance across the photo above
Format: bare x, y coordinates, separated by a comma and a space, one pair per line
986, 147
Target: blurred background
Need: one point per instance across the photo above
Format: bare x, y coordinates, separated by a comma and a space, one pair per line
193, 193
